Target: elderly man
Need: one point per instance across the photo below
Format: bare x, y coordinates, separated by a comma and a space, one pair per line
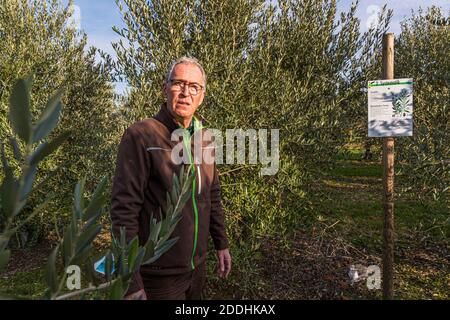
144, 174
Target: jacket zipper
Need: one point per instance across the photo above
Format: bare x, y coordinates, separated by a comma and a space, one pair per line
194, 203
187, 144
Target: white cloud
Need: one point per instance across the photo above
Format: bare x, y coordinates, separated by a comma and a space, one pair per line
75, 18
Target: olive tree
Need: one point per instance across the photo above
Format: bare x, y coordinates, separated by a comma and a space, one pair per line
75, 249
422, 53
36, 37
290, 65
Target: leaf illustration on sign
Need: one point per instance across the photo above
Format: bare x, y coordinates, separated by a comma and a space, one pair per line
400, 103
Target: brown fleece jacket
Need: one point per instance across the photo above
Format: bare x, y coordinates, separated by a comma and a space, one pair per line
143, 175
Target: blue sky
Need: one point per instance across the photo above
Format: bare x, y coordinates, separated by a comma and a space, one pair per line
96, 18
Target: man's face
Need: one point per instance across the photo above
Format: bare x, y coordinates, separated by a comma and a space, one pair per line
182, 104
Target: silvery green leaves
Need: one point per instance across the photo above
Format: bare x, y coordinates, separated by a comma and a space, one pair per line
14, 190
48, 119
20, 113
46, 148
128, 257
9, 188
50, 272
176, 199
75, 247
19, 108
4, 257
124, 257
161, 230
400, 103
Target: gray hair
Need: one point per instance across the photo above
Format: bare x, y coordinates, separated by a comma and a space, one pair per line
186, 60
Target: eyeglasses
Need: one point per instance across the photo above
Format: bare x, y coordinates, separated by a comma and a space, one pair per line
178, 85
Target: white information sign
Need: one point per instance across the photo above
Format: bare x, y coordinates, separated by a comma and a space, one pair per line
390, 108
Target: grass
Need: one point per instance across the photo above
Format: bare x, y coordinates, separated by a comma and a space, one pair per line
346, 228
30, 284
24, 284
357, 202
356, 169
352, 196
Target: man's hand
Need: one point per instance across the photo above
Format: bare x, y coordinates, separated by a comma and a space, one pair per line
224, 262
138, 295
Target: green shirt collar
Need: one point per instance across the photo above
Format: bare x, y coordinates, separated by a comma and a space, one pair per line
194, 126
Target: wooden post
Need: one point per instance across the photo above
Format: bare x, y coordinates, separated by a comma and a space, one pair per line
388, 181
